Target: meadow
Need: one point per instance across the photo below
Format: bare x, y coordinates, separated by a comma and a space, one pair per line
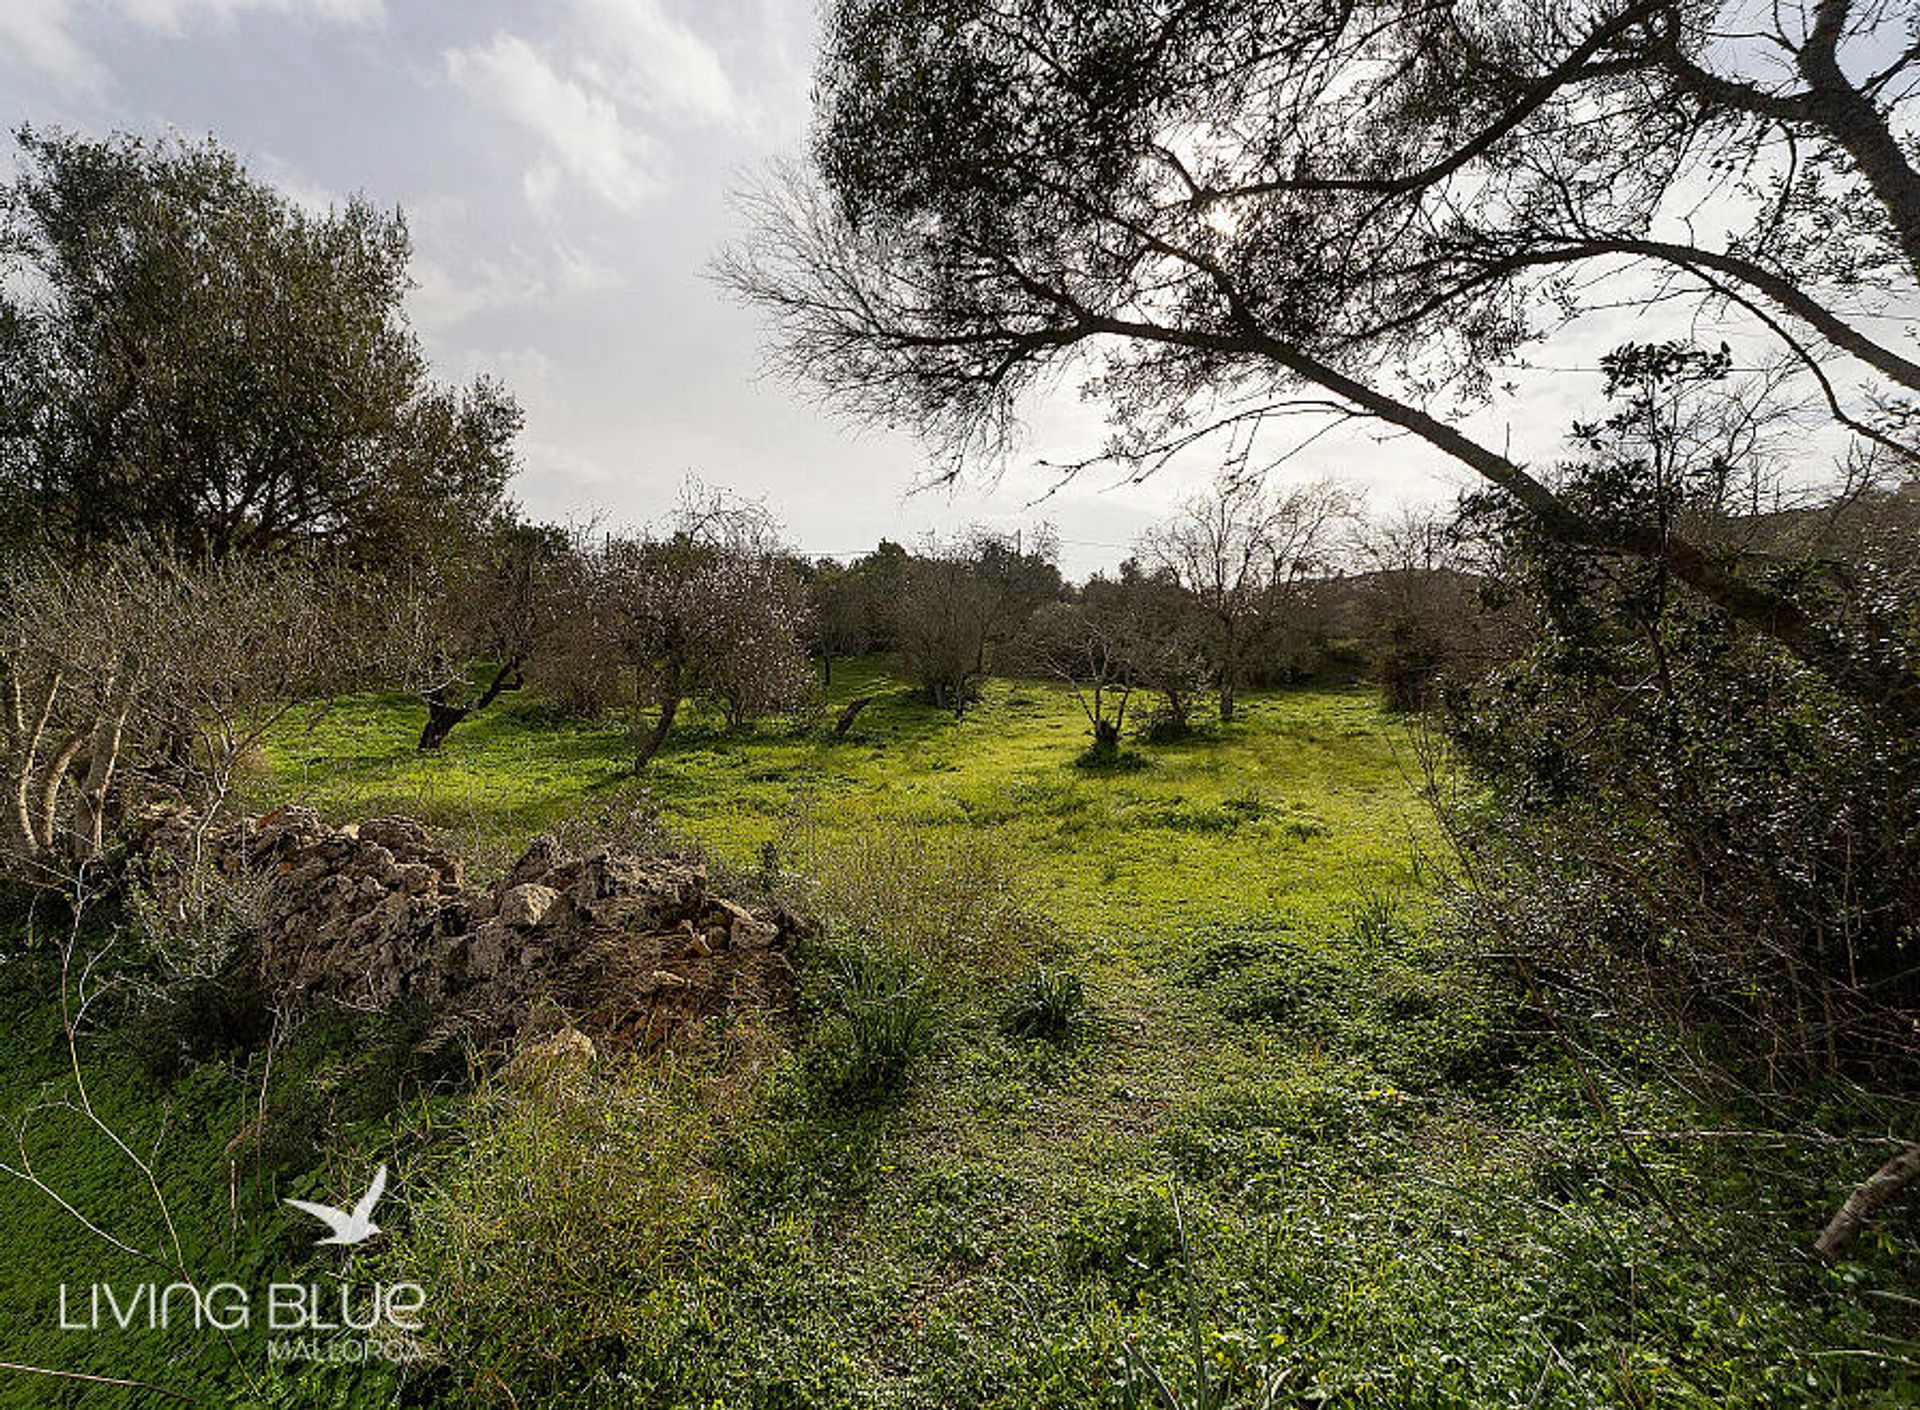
1291, 1149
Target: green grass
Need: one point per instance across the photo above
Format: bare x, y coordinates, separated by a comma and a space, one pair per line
1396, 1191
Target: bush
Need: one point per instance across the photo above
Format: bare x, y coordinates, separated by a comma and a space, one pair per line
572, 1188
950, 901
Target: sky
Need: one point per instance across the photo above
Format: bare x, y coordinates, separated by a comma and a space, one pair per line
565, 169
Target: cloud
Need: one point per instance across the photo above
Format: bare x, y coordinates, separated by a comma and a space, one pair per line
36, 34
583, 129
605, 87
175, 16
444, 296
39, 34
637, 50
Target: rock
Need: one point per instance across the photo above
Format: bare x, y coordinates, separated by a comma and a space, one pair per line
526, 905
631, 946
487, 953
543, 854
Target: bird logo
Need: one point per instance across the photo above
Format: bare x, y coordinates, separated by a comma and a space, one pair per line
346, 1228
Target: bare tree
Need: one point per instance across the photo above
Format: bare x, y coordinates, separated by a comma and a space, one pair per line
149, 670
1417, 606
1237, 551
1165, 642
1084, 644
964, 599
491, 603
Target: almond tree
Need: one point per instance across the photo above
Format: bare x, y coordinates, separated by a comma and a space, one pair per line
709, 609
1237, 550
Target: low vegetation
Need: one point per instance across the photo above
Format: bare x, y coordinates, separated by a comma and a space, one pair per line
1041, 1005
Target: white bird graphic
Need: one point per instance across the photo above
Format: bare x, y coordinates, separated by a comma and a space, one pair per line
353, 1228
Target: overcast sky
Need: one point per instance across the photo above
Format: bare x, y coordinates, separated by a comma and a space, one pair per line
564, 167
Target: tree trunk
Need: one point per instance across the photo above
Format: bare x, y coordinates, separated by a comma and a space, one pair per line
850, 714
441, 718
443, 714
657, 736
1865, 1201
1226, 700
1106, 736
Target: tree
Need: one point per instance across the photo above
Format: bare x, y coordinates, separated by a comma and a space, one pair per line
494, 601
840, 620
1369, 209
708, 610
1237, 551
185, 352
154, 672
1164, 642
1417, 606
964, 599
1085, 645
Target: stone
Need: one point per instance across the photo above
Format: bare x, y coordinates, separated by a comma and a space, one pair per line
634, 946
526, 905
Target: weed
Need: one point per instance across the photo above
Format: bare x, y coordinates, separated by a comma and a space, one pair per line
880, 1018
1050, 1005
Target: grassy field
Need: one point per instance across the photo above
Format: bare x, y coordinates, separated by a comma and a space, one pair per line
1395, 1188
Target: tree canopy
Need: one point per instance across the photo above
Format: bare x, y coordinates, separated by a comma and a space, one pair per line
1244, 207
187, 353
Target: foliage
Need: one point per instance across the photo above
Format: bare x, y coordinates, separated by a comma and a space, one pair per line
187, 353
561, 1200
709, 610
1399, 1194
962, 601
496, 598
1050, 1005
1241, 551
878, 1018
1689, 824
1230, 215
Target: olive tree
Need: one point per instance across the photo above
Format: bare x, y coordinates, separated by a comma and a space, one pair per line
186, 352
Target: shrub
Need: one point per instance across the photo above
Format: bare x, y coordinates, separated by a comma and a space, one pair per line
572, 1188
951, 901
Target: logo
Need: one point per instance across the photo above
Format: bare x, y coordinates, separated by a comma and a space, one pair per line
348, 1228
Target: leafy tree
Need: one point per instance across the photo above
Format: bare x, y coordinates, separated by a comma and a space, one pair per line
185, 352
1242, 208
